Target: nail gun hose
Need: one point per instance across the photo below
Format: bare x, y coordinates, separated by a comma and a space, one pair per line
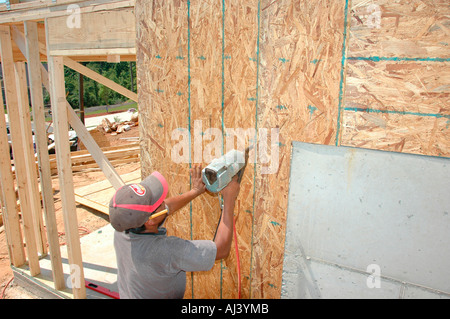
220, 217
236, 246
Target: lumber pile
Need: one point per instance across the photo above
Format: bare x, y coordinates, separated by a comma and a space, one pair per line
117, 155
99, 136
115, 128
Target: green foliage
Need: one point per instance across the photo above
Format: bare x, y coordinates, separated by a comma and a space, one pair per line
96, 94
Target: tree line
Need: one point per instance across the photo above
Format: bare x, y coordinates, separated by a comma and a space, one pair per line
94, 93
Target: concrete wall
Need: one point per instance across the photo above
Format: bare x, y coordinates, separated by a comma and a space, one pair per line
366, 224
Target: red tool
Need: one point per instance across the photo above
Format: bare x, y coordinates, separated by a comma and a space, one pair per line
101, 290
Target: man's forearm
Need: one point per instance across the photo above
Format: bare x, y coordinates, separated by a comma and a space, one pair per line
177, 202
225, 231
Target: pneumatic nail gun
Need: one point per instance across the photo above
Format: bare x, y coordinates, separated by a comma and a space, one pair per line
219, 173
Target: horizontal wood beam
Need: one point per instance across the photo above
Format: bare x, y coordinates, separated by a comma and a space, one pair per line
94, 33
105, 52
88, 55
60, 9
99, 78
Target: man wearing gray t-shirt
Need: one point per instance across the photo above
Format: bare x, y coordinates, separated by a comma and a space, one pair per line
152, 265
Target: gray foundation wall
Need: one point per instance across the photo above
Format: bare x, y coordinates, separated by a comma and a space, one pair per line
366, 224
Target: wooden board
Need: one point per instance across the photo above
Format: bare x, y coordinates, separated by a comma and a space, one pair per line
401, 106
358, 73
206, 113
61, 118
397, 95
239, 98
402, 28
82, 160
95, 30
12, 75
98, 195
104, 29
164, 107
17, 53
247, 65
43, 10
300, 60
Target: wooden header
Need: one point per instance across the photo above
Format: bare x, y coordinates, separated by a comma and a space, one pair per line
103, 31
39, 10
94, 33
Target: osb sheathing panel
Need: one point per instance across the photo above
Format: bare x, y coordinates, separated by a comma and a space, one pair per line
162, 35
300, 61
408, 106
246, 64
239, 64
397, 92
404, 28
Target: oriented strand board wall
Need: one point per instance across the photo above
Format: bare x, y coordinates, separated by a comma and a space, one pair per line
163, 96
397, 93
300, 62
318, 71
238, 64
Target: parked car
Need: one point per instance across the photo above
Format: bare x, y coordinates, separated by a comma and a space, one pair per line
9, 140
73, 140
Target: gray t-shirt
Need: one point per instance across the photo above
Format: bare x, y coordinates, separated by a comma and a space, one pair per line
154, 266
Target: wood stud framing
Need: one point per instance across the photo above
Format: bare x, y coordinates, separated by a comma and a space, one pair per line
13, 100
16, 248
30, 46
61, 127
37, 102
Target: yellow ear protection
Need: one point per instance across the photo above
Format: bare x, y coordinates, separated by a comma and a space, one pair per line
140, 229
159, 213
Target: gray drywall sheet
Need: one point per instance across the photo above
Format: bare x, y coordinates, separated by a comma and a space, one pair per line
366, 224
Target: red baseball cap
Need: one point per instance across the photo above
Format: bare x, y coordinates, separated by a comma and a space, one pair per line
133, 204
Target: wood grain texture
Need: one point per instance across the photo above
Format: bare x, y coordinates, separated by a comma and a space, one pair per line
250, 66
397, 93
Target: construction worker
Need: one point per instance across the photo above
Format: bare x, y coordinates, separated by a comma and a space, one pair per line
151, 264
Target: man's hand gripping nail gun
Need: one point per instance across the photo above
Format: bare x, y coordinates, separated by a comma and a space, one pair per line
220, 172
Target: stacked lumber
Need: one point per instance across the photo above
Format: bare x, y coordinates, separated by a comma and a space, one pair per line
117, 155
118, 127
99, 136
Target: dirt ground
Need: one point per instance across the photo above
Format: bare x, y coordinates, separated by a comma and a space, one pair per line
89, 219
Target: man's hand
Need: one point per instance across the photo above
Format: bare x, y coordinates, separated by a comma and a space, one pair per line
196, 178
198, 187
231, 191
